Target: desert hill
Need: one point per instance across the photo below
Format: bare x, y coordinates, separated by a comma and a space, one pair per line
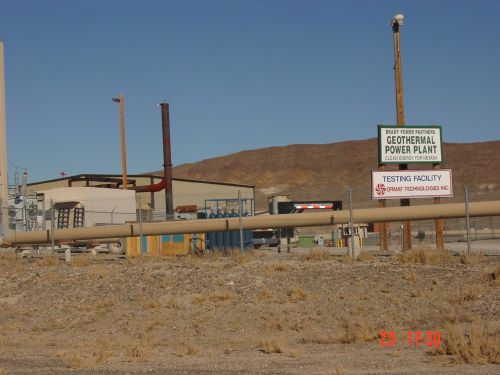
325, 171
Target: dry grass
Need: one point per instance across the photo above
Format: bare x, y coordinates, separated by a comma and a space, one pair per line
272, 324
476, 345
221, 295
103, 351
315, 254
7, 259
74, 361
48, 261
98, 272
273, 267
318, 337
297, 295
187, 349
426, 256
80, 260
139, 349
3, 371
265, 293
472, 259
469, 293
294, 353
270, 346
493, 276
172, 303
100, 305
356, 330
198, 299
241, 257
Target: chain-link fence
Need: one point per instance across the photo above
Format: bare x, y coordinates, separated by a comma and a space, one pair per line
55, 211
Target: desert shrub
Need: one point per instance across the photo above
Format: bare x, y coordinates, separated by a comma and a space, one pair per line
80, 261
241, 257
6, 259
472, 259
139, 349
356, 330
476, 345
270, 346
469, 293
315, 254
48, 261
296, 295
426, 256
273, 267
187, 349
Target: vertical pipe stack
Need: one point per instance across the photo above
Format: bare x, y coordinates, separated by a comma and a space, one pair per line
4, 182
167, 161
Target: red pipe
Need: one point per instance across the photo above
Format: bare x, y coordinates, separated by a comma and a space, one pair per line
166, 182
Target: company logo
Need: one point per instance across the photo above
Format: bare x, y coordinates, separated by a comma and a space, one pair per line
380, 189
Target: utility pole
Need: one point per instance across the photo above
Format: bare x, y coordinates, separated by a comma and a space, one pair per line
4, 181
397, 21
119, 100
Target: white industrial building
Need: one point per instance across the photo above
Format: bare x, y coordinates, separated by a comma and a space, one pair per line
205, 195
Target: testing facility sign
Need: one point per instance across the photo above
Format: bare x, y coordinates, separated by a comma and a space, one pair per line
411, 184
410, 144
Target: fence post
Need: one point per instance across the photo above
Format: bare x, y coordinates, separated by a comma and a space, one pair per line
140, 224
52, 224
351, 226
240, 214
466, 196
493, 226
2, 230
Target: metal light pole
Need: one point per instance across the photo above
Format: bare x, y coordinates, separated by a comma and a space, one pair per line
119, 100
396, 23
4, 182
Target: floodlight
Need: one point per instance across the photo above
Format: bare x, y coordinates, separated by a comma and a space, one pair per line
398, 19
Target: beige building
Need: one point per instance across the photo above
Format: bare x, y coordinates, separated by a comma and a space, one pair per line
205, 195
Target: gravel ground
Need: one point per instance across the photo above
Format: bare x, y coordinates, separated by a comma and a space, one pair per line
308, 312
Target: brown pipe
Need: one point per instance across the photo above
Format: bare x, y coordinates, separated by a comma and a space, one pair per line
367, 215
166, 182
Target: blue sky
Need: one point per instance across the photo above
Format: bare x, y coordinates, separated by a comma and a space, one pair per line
238, 75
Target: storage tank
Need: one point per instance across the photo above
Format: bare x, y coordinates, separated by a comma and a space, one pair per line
273, 202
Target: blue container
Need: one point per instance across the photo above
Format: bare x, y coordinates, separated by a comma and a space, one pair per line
234, 235
247, 235
210, 236
219, 238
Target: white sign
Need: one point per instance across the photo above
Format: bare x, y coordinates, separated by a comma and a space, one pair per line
410, 144
411, 184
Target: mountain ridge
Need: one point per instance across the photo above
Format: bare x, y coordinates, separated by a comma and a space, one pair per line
325, 171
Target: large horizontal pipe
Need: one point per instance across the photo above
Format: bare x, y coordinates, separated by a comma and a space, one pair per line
367, 215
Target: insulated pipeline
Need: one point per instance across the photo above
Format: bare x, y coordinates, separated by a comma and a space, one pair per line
367, 215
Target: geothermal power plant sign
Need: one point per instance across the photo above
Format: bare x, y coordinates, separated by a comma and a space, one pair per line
411, 184
409, 144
